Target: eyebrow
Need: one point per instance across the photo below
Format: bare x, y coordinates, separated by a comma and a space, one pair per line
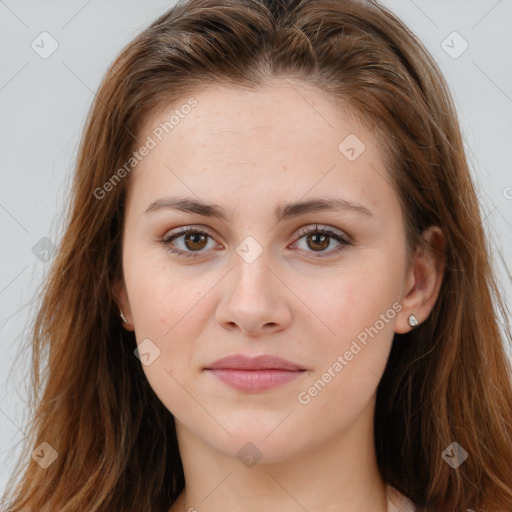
283, 212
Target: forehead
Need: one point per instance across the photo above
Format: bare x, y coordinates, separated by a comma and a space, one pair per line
284, 137
224, 102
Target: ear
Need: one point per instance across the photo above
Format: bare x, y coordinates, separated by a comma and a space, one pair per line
121, 297
424, 279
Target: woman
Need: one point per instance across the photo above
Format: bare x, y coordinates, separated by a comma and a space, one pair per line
274, 291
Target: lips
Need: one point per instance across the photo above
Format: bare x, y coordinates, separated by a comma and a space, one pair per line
263, 362
254, 374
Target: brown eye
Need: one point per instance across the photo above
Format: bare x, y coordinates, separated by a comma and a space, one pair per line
195, 241
318, 241
188, 242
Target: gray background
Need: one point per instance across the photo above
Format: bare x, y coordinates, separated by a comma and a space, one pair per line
44, 102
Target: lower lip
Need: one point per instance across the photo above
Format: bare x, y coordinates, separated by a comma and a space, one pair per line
255, 380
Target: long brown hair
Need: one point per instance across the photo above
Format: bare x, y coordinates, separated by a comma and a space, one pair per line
447, 381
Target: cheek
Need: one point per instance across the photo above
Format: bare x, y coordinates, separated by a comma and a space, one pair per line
164, 298
350, 363
360, 309
352, 302
170, 311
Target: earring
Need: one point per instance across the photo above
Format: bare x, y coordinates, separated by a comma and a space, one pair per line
413, 321
123, 318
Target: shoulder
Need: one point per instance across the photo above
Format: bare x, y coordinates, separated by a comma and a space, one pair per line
398, 502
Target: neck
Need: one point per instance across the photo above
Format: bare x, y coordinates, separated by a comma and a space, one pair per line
339, 475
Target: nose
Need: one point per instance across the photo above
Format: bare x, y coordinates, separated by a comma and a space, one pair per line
254, 300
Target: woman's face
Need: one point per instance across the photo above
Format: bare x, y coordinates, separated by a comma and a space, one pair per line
254, 282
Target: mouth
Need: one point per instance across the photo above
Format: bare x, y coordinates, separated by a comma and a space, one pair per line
254, 374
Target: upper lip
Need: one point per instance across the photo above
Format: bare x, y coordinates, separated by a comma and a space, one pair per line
262, 362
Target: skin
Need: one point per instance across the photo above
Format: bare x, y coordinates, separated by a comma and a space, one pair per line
250, 152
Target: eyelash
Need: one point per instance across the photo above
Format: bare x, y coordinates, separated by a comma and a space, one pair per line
302, 232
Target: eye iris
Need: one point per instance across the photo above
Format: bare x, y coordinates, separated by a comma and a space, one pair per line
324, 240
197, 238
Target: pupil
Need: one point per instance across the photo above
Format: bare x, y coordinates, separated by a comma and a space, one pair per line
196, 238
323, 239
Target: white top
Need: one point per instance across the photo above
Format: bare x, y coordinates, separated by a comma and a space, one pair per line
398, 502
